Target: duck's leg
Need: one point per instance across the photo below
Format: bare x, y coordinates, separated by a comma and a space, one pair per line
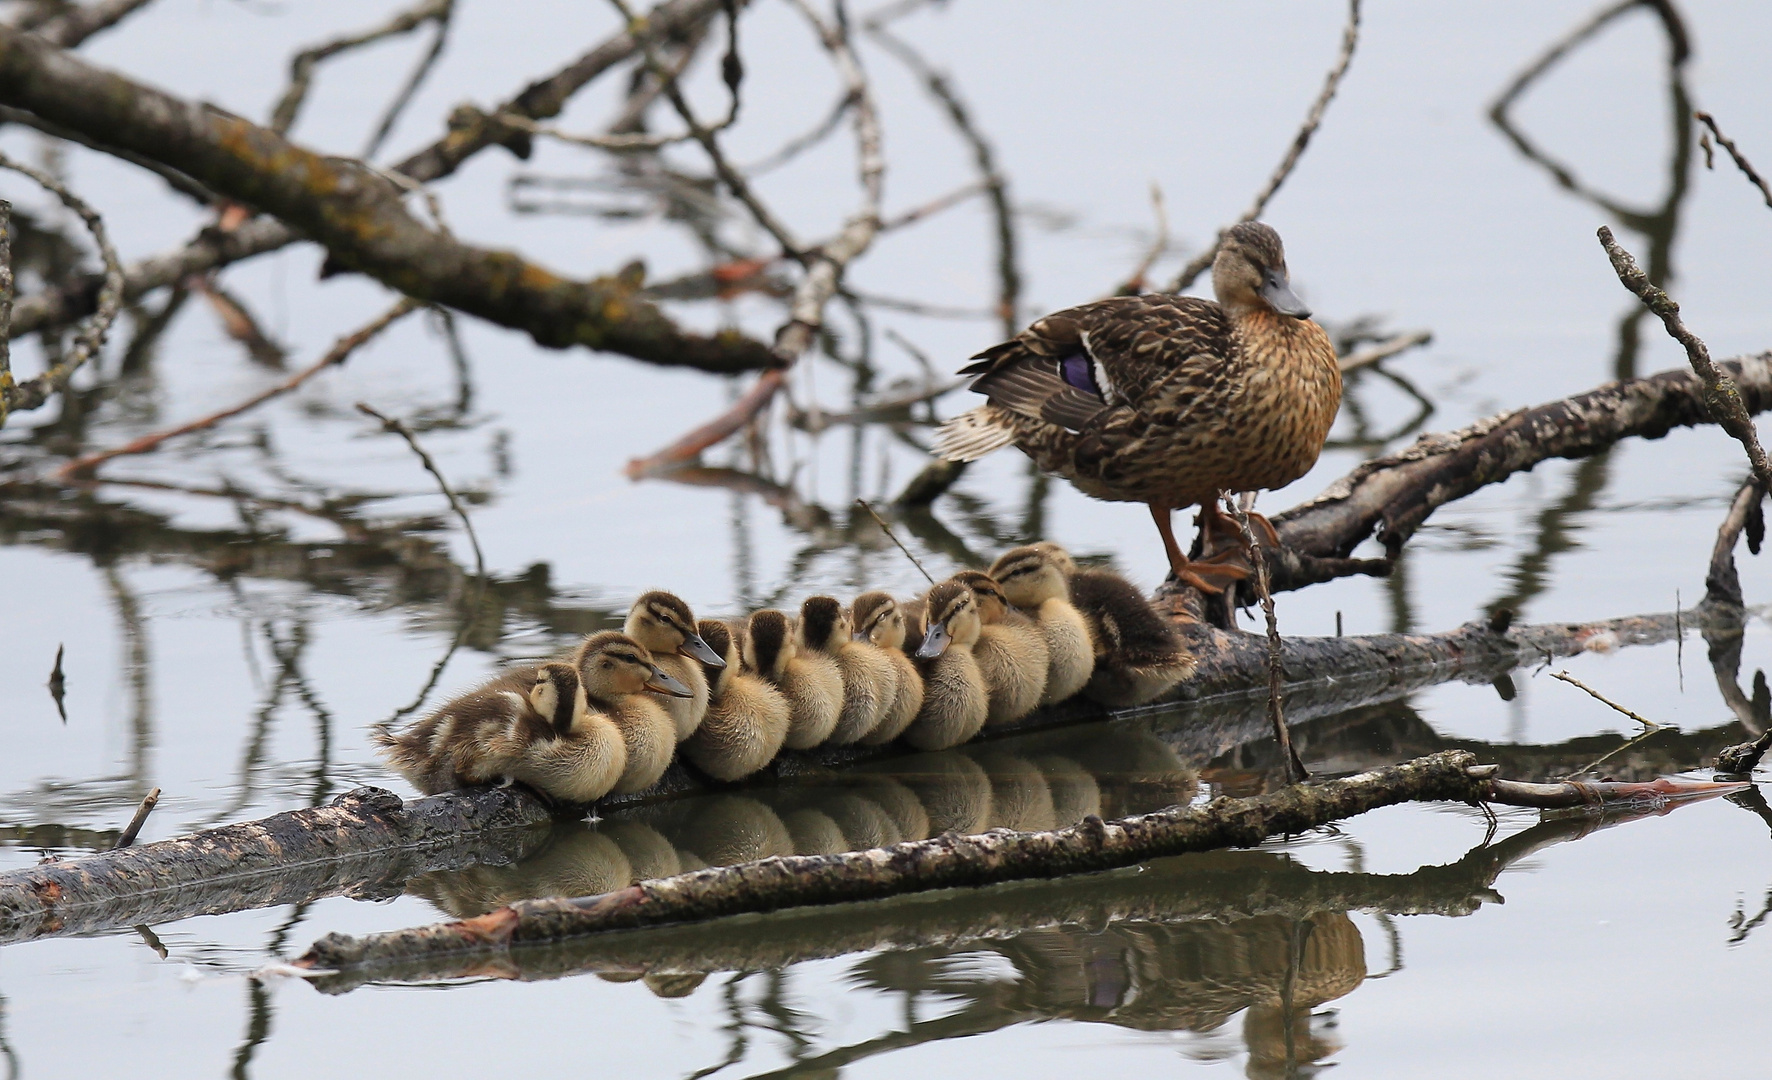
1197, 572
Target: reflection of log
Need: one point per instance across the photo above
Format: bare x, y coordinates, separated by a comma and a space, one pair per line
297, 855
947, 862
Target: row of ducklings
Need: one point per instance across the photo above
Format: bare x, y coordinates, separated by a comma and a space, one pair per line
979, 649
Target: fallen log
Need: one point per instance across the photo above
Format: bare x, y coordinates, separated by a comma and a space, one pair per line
949, 862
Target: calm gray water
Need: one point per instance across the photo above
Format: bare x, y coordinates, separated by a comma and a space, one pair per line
233, 651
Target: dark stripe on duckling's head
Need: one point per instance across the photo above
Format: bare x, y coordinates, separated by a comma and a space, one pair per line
668, 609
983, 586
820, 619
767, 636
719, 638
556, 694
948, 599
612, 662
1018, 562
870, 610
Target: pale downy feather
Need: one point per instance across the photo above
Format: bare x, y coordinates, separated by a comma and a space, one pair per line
973, 434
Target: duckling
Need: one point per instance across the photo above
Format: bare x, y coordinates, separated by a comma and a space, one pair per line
747, 718
1033, 580
811, 682
531, 724
879, 619
665, 626
870, 682
955, 697
1011, 651
1138, 654
619, 677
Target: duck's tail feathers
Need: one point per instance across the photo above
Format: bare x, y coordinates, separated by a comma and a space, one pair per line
973, 434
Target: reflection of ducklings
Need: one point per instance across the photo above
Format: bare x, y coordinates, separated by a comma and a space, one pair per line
665, 625
730, 829
648, 852
813, 832
811, 682
747, 718
900, 804
864, 823
1136, 772
675, 984
1033, 580
869, 679
1011, 651
955, 698
880, 620
1075, 794
954, 790
1138, 654
546, 737
1020, 798
620, 677
575, 861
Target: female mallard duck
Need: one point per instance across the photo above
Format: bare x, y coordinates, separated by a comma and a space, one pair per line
879, 620
1167, 400
1034, 582
1138, 654
666, 627
530, 724
810, 681
869, 680
1011, 651
955, 697
620, 678
747, 718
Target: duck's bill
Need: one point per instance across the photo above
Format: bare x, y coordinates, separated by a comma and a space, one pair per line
697, 649
935, 642
662, 683
1277, 291
859, 635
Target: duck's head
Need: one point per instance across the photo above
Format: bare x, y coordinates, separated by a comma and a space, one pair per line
878, 618
558, 696
664, 624
1249, 275
824, 625
769, 643
1031, 575
993, 606
612, 665
953, 619
719, 638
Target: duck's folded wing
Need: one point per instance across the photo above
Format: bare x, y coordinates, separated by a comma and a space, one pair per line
1034, 386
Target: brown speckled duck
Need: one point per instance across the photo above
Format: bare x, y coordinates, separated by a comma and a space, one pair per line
1167, 400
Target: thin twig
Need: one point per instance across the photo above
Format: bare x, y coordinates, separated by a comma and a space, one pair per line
1741, 161
58, 683
301, 68
1276, 673
340, 351
398, 428
934, 206
90, 338
420, 72
6, 291
1384, 350
1350, 37
134, 827
892, 536
1721, 396
1626, 745
1603, 699
1134, 284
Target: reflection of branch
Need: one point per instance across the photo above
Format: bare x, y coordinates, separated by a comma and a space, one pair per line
396, 427
1350, 37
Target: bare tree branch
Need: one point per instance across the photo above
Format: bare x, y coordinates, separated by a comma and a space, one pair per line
1740, 159
78, 23
301, 68
396, 427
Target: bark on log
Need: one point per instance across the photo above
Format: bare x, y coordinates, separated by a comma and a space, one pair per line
358, 215
260, 862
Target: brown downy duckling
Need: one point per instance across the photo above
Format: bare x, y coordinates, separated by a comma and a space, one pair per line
1138, 655
811, 682
1034, 582
880, 620
955, 697
870, 682
1011, 651
620, 679
663, 623
747, 718
530, 724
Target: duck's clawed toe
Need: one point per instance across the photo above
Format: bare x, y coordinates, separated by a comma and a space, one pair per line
1214, 573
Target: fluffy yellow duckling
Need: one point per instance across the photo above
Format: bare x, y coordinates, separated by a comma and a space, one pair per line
747, 719
1033, 580
1011, 651
620, 678
811, 682
955, 698
870, 681
663, 623
879, 620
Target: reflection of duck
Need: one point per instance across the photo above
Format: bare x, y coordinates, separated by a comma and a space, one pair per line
1167, 400
879, 620
575, 860
621, 677
664, 624
1138, 654
1075, 794
747, 718
955, 698
646, 849
1134, 771
723, 830
813, 831
811, 683
1032, 578
1011, 651
869, 679
954, 790
1020, 798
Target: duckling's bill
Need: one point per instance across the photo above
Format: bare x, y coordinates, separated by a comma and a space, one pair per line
935, 642
697, 649
662, 683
